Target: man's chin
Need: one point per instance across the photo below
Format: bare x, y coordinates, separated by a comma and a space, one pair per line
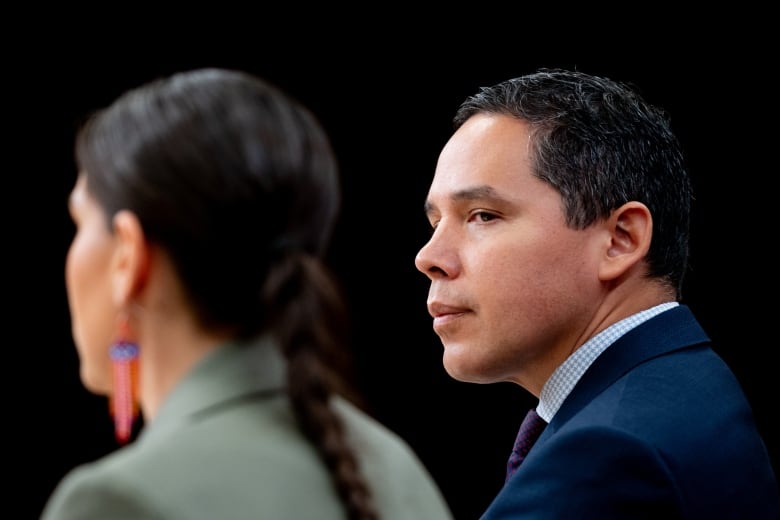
462, 368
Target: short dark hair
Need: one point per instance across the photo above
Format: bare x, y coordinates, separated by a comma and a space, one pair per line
600, 145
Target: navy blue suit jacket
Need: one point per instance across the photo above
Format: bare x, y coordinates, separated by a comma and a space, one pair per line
658, 427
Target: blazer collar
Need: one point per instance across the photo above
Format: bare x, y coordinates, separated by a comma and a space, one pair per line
231, 371
671, 330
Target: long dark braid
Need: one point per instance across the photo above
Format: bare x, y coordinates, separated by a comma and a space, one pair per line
308, 322
256, 184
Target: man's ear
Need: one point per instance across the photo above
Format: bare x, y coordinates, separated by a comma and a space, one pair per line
132, 255
630, 229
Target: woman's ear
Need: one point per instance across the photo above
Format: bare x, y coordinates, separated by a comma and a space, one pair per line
630, 229
130, 265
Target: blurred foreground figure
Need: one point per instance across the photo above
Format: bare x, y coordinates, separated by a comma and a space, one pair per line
203, 205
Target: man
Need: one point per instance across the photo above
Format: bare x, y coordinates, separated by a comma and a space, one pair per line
560, 210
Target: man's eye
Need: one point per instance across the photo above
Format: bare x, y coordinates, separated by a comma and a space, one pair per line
483, 216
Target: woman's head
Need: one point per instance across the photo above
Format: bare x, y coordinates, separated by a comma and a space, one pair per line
231, 188
225, 173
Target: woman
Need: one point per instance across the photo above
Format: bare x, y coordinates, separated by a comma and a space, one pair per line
203, 205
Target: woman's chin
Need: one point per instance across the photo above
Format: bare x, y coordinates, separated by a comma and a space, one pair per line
98, 385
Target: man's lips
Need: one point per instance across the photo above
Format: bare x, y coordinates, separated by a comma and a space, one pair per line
438, 309
444, 314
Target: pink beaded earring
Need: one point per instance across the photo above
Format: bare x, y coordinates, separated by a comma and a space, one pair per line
124, 399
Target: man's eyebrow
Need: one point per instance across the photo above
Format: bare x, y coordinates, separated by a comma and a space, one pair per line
475, 193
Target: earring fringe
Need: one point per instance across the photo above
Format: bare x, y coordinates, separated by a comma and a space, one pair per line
124, 399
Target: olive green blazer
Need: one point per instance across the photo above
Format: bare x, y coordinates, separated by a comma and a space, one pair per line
225, 445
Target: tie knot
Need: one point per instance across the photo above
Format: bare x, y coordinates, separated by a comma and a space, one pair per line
530, 429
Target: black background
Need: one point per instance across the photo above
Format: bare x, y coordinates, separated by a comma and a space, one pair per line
387, 99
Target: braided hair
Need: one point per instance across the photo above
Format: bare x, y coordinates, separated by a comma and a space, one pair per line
239, 184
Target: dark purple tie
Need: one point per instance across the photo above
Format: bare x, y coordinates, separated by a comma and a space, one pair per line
530, 430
